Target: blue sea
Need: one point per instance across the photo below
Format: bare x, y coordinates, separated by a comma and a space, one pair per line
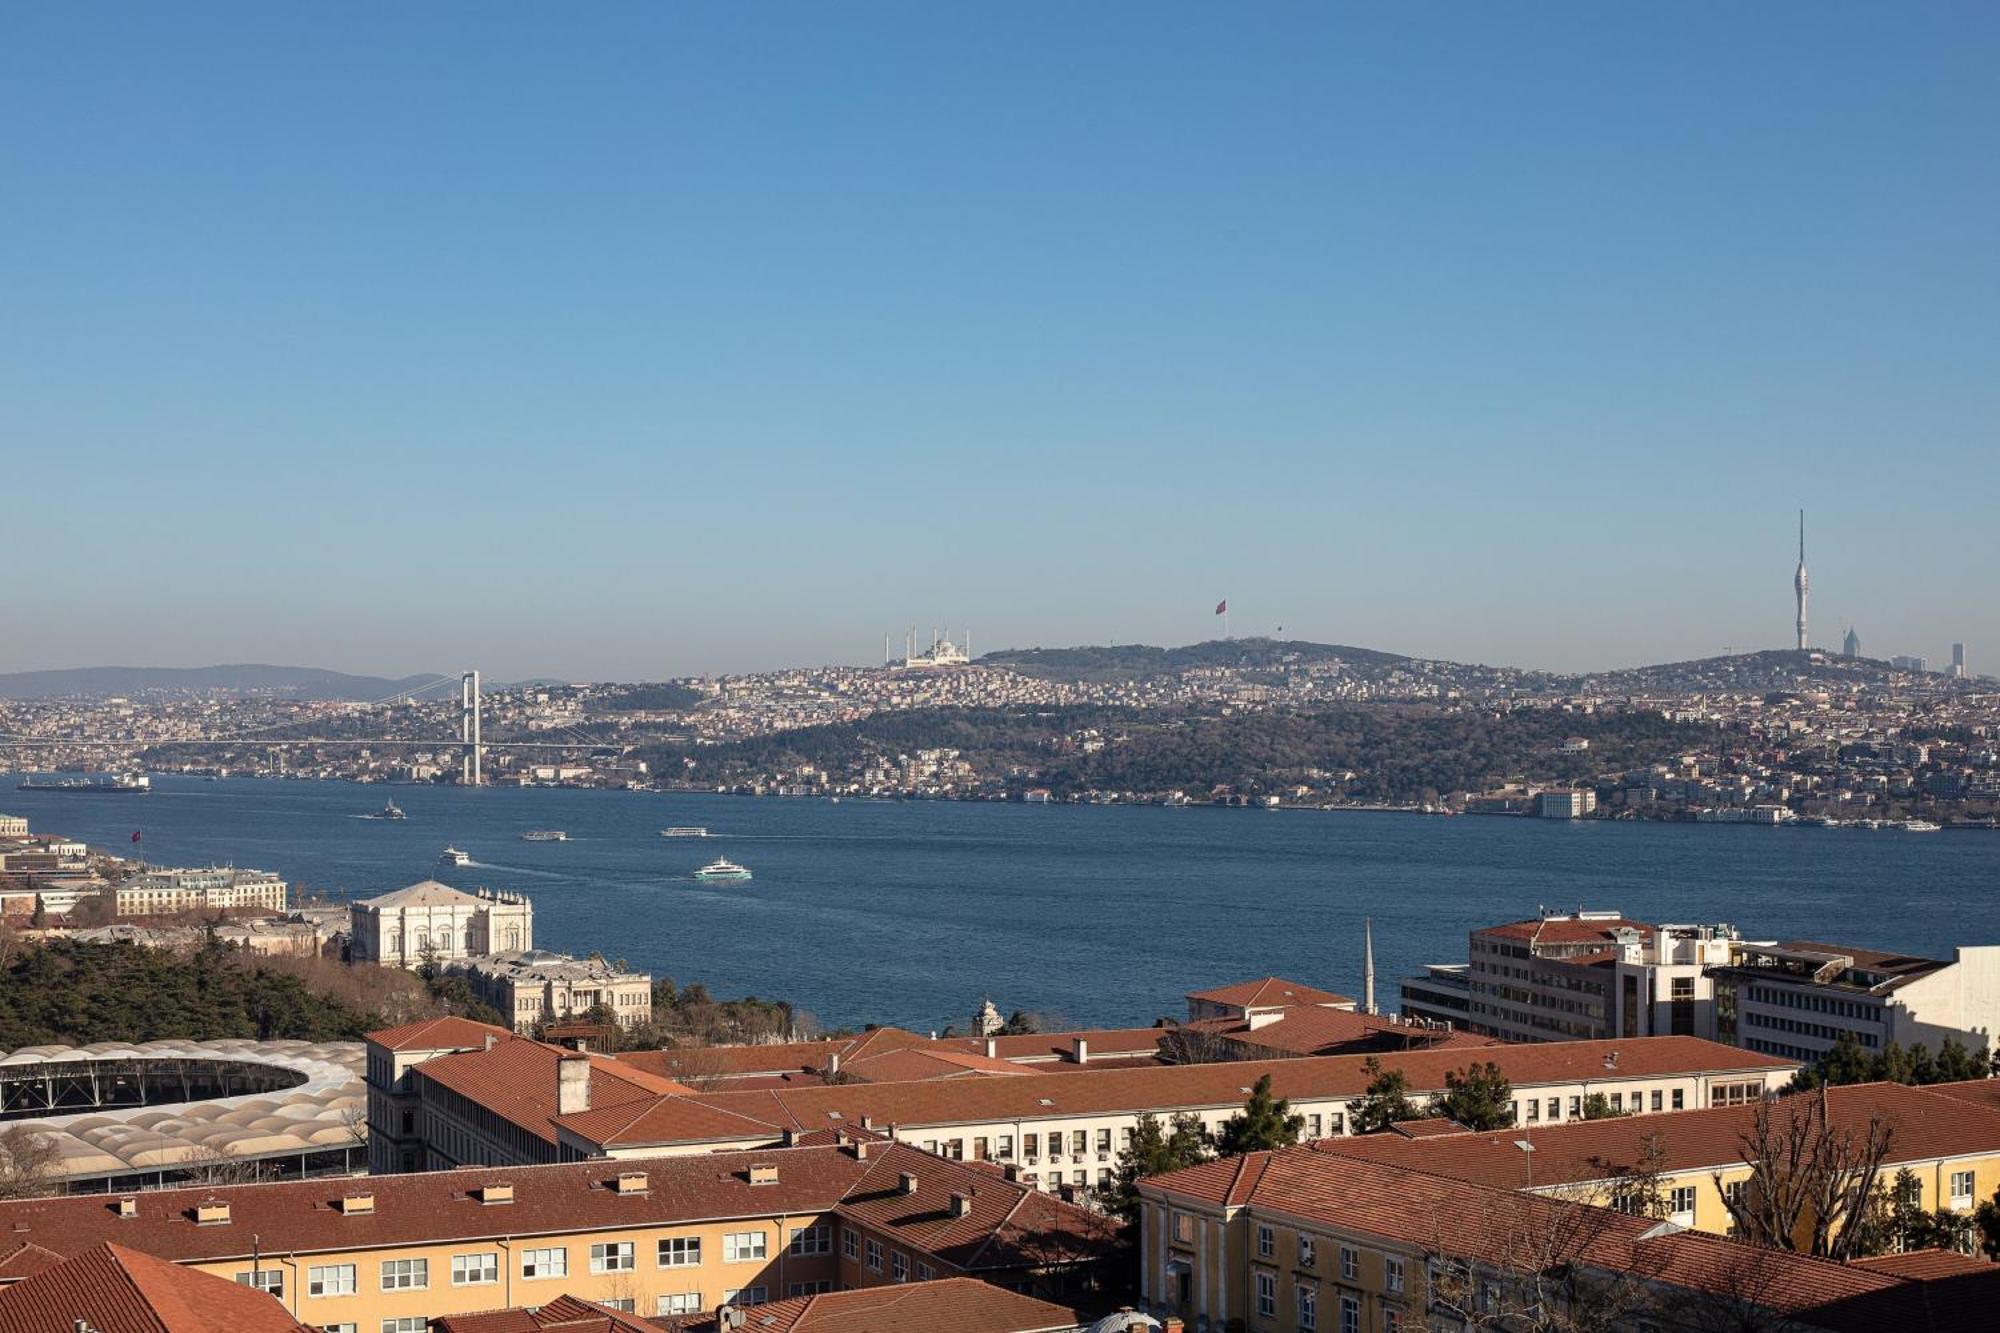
911, 912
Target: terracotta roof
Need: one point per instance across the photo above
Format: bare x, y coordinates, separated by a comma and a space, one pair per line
922, 1062
1430, 1213
437, 1034
1563, 930
120, 1290
803, 1061
961, 1305
1923, 1127
564, 1314
1160, 1088
1315, 1030
1430, 1127
515, 1079
25, 1260
304, 1216
1268, 991
1978, 1091
1925, 1264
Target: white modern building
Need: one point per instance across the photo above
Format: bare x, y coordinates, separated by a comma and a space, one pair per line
217, 888
435, 922
1795, 998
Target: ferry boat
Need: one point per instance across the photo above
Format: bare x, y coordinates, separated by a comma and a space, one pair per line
1920, 826
684, 831
389, 811
545, 835
128, 784
722, 869
451, 856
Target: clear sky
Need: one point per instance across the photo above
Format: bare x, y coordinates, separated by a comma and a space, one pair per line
628, 340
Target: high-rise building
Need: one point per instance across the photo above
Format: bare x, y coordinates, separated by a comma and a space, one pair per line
1958, 660
1851, 645
1799, 579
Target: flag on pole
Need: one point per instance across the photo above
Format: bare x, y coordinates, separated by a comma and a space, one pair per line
1222, 607
135, 835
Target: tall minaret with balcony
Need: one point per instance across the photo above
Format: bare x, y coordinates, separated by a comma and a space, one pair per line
1799, 579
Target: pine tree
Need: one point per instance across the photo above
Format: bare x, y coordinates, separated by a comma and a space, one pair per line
1480, 1098
1264, 1122
1154, 1149
1385, 1100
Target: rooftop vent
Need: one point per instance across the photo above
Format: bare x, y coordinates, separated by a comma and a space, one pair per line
355, 1204
494, 1194
630, 1182
961, 1204
211, 1214
763, 1175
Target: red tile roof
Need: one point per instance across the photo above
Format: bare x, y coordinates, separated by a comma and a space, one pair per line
960, 1305
436, 1034
515, 1079
120, 1290
1314, 1030
1563, 930
1268, 991
564, 1314
1925, 1264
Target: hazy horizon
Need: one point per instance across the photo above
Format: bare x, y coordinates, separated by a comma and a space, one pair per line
635, 342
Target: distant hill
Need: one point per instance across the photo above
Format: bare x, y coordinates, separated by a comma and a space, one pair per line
242, 678
1769, 669
1137, 661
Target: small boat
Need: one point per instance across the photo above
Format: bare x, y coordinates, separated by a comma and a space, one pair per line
722, 869
1920, 826
684, 831
545, 835
451, 856
389, 811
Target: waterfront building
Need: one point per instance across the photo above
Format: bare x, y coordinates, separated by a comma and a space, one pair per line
1567, 804
429, 921
1796, 998
214, 889
1588, 975
535, 986
661, 1238
13, 826
1299, 1239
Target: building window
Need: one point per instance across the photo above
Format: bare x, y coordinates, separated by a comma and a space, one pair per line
544, 1263
1079, 1143
745, 1296
1681, 1199
1350, 1264
850, 1244
1680, 1099
1031, 1145
1266, 1245
406, 1274
1003, 1147
1305, 1251
808, 1288
1658, 1098
1104, 1140
330, 1280
740, 1247
1184, 1228
680, 1252
1961, 1190
679, 1302
1350, 1315
1308, 1309
337, 1328
899, 1267
264, 1279
1267, 1295
414, 1323
623, 1304
612, 1257
925, 1272
475, 1270
1392, 1275
813, 1240
874, 1255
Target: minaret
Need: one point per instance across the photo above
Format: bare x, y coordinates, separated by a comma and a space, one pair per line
1367, 966
1799, 579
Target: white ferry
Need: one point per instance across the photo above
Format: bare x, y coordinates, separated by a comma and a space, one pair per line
545, 835
451, 856
389, 811
1919, 826
722, 869
684, 831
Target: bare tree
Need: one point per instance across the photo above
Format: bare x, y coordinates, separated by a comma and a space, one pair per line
29, 1163
1810, 1180
1197, 1046
1522, 1264
1635, 1186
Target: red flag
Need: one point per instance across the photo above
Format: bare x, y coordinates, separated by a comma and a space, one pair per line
1222, 607
135, 835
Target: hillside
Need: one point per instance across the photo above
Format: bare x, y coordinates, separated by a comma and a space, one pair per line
1139, 661
242, 678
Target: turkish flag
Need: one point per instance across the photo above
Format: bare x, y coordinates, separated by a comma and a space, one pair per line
1222, 607
135, 835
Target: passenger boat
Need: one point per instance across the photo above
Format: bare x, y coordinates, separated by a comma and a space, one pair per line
1920, 826
684, 831
722, 869
389, 811
451, 856
545, 835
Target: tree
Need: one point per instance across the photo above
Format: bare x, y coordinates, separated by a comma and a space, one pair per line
1480, 1098
1521, 1264
1597, 1106
1635, 1186
29, 1163
1265, 1122
1019, 1024
1987, 1219
1385, 1100
1810, 1181
1154, 1149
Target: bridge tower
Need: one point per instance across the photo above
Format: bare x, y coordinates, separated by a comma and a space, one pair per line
468, 729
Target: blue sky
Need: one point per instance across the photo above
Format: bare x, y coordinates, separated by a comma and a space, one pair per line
634, 340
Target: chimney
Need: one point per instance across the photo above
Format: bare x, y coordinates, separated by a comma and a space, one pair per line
1080, 1050
128, 1207
868, 1122
861, 1150
572, 1083
492, 1040
961, 1203
992, 1048
790, 1138
833, 1067
1011, 1171
907, 1183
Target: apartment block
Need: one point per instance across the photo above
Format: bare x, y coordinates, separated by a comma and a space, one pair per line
1796, 998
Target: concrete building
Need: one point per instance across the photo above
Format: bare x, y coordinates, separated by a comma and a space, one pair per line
533, 986
215, 889
436, 921
1795, 998
1573, 804
13, 826
1568, 977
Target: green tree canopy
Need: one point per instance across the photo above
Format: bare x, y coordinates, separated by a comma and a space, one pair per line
1479, 1097
1264, 1122
1155, 1149
1385, 1100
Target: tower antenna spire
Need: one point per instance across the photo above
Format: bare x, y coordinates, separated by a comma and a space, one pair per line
1799, 582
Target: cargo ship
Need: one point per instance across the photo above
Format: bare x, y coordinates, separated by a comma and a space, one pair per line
129, 784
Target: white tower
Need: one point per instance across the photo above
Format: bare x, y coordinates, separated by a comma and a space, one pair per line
468, 729
1367, 966
1799, 579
